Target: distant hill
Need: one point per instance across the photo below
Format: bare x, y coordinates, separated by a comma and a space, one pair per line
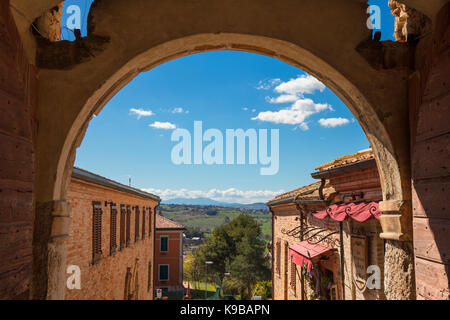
211, 202
202, 219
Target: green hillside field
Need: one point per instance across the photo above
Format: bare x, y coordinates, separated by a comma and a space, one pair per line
205, 218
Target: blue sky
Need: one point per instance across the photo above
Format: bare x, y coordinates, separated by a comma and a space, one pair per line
224, 90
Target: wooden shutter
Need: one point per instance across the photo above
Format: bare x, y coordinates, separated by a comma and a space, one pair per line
143, 222
150, 221
96, 232
149, 282
293, 275
122, 226
285, 271
136, 223
278, 256
286, 257
113, 229
128, 223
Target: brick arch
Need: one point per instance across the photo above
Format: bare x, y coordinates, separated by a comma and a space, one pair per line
295, 56
298, 57
292, 31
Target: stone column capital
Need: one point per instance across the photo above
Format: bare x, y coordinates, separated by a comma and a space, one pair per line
394, 220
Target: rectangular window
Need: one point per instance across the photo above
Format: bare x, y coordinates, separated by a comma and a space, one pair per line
136, 224
278, 256
128, 223
123, 214
113, 229
143, 223
163, 273
96, 232
164, 245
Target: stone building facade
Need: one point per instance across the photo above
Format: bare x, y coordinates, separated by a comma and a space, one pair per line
111, 239
169, 254
305, 223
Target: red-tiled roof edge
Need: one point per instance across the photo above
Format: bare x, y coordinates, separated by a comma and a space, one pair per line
170, 224
347, 159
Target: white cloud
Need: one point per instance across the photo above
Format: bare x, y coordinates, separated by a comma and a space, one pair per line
304, 126
179, 110
162, 125
283, 98
267, 84
228, 195
296, 114
304, 84
245, 108
141, 112
301, 108
333, 122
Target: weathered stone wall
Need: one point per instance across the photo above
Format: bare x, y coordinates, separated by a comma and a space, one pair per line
376, 256
106, 279
18, 102
285, 218
430, 144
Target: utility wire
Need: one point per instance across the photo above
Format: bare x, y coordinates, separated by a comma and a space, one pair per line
25, 17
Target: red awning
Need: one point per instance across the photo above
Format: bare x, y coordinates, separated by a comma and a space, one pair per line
360, 211
303, 252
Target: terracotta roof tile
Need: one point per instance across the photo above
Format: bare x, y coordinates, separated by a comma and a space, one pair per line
164, 223
309, 192
351, 158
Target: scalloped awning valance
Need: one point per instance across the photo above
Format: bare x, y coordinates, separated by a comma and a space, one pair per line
359, 211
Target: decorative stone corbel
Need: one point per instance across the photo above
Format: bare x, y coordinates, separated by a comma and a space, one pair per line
394, 220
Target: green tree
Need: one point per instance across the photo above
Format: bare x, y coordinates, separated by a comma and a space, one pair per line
250, 264
263, 289
192, 269
237, 248
219, 249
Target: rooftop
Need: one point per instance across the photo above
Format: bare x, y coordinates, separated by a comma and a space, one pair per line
165, 224
309, 192
88, 176
348, 159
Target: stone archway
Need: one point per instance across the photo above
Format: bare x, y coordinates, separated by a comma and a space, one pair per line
344, 59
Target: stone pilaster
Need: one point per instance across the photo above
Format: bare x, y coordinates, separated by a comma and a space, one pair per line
52, 224
396, 222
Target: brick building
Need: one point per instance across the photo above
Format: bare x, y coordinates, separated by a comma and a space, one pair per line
111, 238
169, 254
326, 234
